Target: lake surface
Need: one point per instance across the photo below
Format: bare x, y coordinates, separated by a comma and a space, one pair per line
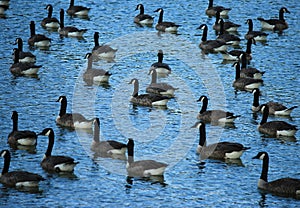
161, 134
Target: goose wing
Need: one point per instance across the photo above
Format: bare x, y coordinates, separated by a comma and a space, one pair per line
287, 186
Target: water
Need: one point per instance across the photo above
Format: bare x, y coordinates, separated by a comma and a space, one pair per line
164, 135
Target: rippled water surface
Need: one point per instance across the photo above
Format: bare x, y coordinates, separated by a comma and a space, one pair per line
162, 134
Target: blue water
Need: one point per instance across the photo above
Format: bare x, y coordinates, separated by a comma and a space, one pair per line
161, 134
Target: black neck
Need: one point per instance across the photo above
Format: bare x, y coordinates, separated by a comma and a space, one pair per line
256, 98
20, 44
161, 14
202, 136
265, 115
204, 105
237, 70
71, 3
16, 56
32, 28
130, 151
141, 9
97, 130
244, 61
96, 39
90, 62
217, 17
61, 18
210, 3
50, 10
265, 168
15, 121
136, 89
249, 43
6, 163
221, 27
204, 35
160, 57
250, 24
63, 107
50, 144
281, 15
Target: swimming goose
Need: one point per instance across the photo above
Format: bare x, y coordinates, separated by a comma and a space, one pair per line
94, 75
210, 46
3, 8
108, 147
159, 88
283, 186
161, 68
211, 116
275, 128
22, 68
228, 26
49, 21
55, 163
211, 10
71, 120
226, 37
69, 31
17, 178
142, 168
37, 39
220, 150
102, 51
235, 54
244, 83
257, 35
165, 26
143, 19
16, 137
24, 56
275, 108
249, 71
77, 10
146, 99
275, 24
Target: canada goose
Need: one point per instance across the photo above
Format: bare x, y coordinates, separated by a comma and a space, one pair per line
211, 116
16, 137
102, 51
55, 163
49, 21
159, 88
275, 108
17, 178
249, 71
146, 99
24, 56
275, 128
244, 83
165, 26
23, 68
37, 39
283, 186
210, 46
211, 9
108, 147
257, 35
143, 19
220, 150
77, 10
234, 55
275, 24
3, 8
227, 26
94, 75
161, 68
69, 31
142, 168
226, 37
71, 120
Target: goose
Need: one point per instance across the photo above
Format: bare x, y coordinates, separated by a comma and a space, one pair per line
234, 55
71, 120
142, 168
159, 88
94, 75
102, 51
23, 68
227, 26
220, 150
244, 83
3, 8
17, 179
226, 37
69, 31
249, 71
77, 10
55, 163
275, 24
108, 147
275, 128
257, 35
211, 10
210, 46
275, 108
146, 99
283, 186
16, 137
143, 19
165, 26
211, 116
161, 68
37, 39
49, 21
24, 56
